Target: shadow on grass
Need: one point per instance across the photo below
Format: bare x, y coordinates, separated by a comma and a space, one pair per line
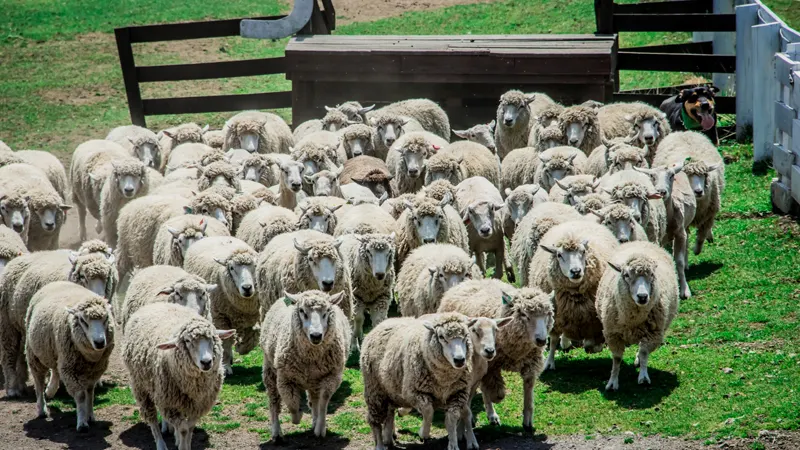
307, 440
702, 270
60, 428
586, 375
139, 436
502, 437
245, 376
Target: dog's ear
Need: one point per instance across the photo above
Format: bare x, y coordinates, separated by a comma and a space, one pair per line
713, 90
682, 96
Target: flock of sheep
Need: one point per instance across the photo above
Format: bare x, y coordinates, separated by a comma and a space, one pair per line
257, 236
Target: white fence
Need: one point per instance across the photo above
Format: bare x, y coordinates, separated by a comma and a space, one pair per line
768, 96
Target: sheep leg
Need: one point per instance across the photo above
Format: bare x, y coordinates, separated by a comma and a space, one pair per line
81, 217
160, 444
11, 343
617, 352
89, 403
358, 325
703, 231
499, 262
480, 262
550, 364
81, 399
468, 432
183, 434
37, 373
227, 356
425, 408
52, 384
679, 253
22, 368
270, 380
527, 404
645, 348
451, 423
388, 428
379, 311
376, 434
290, 394
494, 390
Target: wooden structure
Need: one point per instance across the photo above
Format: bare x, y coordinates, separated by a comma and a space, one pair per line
465, 74
322, 21
669, 16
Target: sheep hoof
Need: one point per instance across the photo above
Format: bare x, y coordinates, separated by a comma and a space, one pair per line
228, 370
685, 293
550, 365
644, 378
612, 385
13, 393
82, 428
527, 428
494, 419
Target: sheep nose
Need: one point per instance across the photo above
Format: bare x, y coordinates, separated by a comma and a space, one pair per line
649, 139
413, 172
247, 290
99, 343
296, 186
486, 230
698, 192
128, 191
459, 361
389, 140
662, 192
573, 141
541, 342
327, 285
576, 272
205, 364
623, 239
356, 154
380, 275
642, 298
316, 337
508, 122
489, 353
428, 241
17, 227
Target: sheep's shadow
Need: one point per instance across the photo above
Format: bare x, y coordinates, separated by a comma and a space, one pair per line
307, 440
245, 376
592, 374
702, 270
60, 428
139, 436
494, 436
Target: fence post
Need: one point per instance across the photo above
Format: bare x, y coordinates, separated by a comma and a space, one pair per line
746, 18
604, 16
766, 42
123, 36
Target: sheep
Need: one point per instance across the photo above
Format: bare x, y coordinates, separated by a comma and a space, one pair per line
10, 158
51, 166
570, 261
173, 358
519, 344
545, 126
300, 261
481, 133
461, 160
315, 215
557, 163
580, 127
187, 155
569, 190
438, 189
291, 184
16, 214
214, 138
422, 365
237, 156
622, 221
514, 119
369, 172
258, 132
519, 167
706, 172
171, 138
219, 173
637, 191
636, 302
518, 204
4, 148
407, 160
615, 155
104, 178
428, 273
644, 124
325, 183
592, 202
71, 332
425, 222
334, 120
530, 231
230, 264
140, 142
320, 151
681, 206
428, 114
388, 128
354, 111
11, 246
370, 266
176, 235
365, 219
241, 204
356, 140
305, 347
258, 167
165, 284
396, 206
137, 227
262, 224
479, 203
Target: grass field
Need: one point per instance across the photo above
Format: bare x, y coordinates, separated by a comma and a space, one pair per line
730, 367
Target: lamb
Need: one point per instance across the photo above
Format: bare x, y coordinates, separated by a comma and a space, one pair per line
165, 284
258, 132
616, 155
104, 179
681, 206
291, 185
531, 230
407, 160
635, 190
706, 172
317, 216
557, 163
422, 365
428, 273
230, 264
545, 123
262, 224
71, 332
515, 120
51, 166
171, 138
461, 160
11, 246
300, 261
519, 344
173, 357
187, 155
370, 266
140, 142
581, 127
518, 203
479, 204
176, 235
519, 167
325, 183
365, 219
622, 221
481, 134
425, 222
368, 172
569, 190
428, 114
570, 261
305, 349
636, 303
326, 144
219, 173
644, 124
214, 138
388, 128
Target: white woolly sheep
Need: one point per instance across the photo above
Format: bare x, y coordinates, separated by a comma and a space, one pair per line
615, 155
305, 346
425, 222
706, 172
388, 128
545, 126
5, 148
644, 124
581, 127
176, 235
262, 224
422, 365
316, 215
167, 345
230, 264
515, 118
519, 344
519, 167
357, 141
636, 303
406, 161
258, 167
11, 246
365, 219
428, 114
557, 163
15, 214
569, 190
325, 183
320, 151
71, 332
186, 156
258, 132
637, 191
479, 203
214, 138
142, 143
518, 204
171, 138
51, 166
461, 160
622, 221
428, 273
482, 133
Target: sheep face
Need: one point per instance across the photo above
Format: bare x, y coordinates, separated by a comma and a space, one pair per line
453, 337
444, 278
183, 239
483, 332
626, 158
187, 133
334, 120
698, 172
323, 261
292, 175
555, 169
482, 134
536, 321
637, 278
318, 218
240, 271
620, 220
515, 109
481, 216
378, 250
210, 205
645, 130
324, 183
357, 146
93, 271
426, 223
571, 261
663, 177
191, 294
49, 215
200, 344
519, 202
313, 313
129, 181
353, 110
248, 140
147, 153
93, 324
252, 171
15, 212
390, 130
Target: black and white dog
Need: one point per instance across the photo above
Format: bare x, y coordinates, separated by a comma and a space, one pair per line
693, 109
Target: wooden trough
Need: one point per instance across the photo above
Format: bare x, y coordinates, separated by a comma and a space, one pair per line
465, 74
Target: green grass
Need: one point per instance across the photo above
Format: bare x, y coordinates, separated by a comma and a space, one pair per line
60, 84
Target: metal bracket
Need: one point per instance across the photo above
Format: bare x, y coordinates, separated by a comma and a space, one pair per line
281, 28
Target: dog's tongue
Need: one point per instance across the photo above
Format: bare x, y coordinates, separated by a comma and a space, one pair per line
706, 121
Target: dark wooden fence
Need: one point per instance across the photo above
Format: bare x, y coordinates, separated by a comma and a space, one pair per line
667, 16
321, 22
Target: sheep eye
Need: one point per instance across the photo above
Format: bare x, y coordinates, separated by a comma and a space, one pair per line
441, 275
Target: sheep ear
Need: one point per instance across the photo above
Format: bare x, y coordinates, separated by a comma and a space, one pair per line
585, 243
654, 196
461, 133
615, 267
335, 299
111, 259
174, 231
549, 249
503, 322
642, 170
628, 117
714, 167
507, 299
562, 185
335, 208
211, 288
329, 109
446, 199
436, 148
290, 299
605, 142
384, 197
65, 207
300, 248
572, 158
71, 311
366, 109
595, 183
597, 213
169, 345
428, 325
432, 270
408, 204
530, 98
168, 134
492, 124
73, 256
167, 291
203, 225
225, 334
393, 236
221, 262
543, 159
309, 179
204, 129
508, 192
472, 321
188, 210
498, 206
